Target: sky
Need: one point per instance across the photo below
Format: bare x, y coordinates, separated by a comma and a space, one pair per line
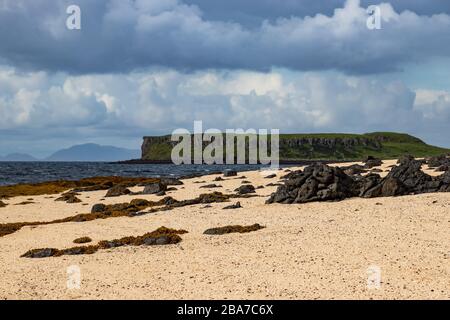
148, 67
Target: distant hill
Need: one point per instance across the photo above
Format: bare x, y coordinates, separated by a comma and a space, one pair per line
326, 146
18, 157
93, 152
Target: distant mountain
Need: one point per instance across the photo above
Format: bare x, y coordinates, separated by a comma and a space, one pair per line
18, 157
94, 152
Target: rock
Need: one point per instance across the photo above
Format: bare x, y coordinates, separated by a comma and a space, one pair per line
161, 193
405, 159
2, 204
376, 170
245, 182
245, 189
321, 183
99, 207
392, 187
273, 184
117, 191
230, 173
69, 197
354, 169
162, 240
171, 182
369, 164
154, 188
270, 176
211, 186
219, 179
434, 162
237, 205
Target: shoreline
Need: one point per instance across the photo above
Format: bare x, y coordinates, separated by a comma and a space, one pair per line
320, 250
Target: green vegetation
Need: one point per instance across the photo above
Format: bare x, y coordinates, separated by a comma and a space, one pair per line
326, 146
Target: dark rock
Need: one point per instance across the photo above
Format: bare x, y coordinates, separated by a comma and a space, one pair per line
117, 191
320, 183
161, 193
273, 184
230, 173
405, 159
442, 168
245, 189
154, 188
434, 162
354, 169
369, 164
219, 179
211, 186
246, 182
392, 187
270, 176
69, 197
171, 182
237, 205
99, 207
2, 204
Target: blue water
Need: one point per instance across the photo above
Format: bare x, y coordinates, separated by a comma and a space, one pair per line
32, 172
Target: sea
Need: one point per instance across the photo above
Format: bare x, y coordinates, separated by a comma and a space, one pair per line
33, 172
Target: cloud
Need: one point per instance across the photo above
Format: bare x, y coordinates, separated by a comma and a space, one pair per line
252, 13
43, 106
124, 35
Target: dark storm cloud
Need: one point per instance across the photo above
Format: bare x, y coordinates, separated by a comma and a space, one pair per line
124, 35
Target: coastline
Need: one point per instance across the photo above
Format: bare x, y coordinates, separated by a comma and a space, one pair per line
319, 250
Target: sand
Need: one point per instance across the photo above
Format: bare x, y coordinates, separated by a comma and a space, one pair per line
307, 251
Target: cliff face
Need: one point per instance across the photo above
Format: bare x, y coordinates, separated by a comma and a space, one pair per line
291, 147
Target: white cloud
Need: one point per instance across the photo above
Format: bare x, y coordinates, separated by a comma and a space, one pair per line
161, 100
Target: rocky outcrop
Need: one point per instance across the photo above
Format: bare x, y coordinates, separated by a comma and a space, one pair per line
323, 183
295, 147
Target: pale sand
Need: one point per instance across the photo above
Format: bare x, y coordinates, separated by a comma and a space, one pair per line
308, 251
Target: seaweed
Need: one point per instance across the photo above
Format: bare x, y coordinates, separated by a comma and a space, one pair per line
55, 187
82, 240
233, 229
161, 236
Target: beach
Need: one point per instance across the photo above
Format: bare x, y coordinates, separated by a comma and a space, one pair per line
317, 250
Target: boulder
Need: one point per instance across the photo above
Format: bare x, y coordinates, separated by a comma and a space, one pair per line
118, 190
154, 188
230, 173
211, 186
99, 207
245, 189
237, 205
